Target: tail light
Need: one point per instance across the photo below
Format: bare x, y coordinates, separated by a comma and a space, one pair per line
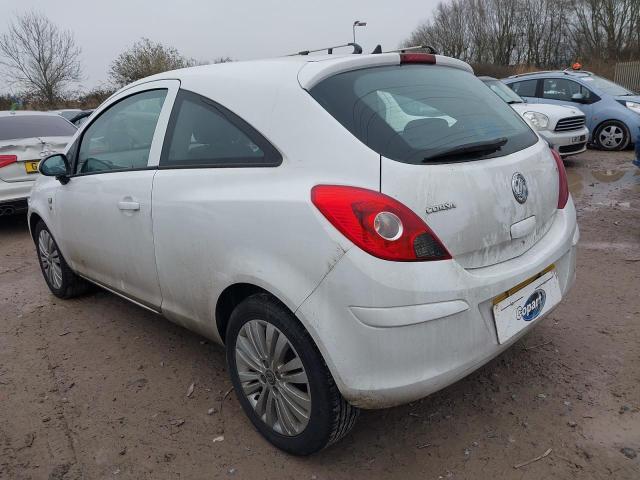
378, 224
7, 160
563, 191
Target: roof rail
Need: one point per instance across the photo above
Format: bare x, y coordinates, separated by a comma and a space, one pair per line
566, 71
357, 49
531, 73
586, 72
414, 47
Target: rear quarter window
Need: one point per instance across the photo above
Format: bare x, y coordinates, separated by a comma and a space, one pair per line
203, 133
409, 113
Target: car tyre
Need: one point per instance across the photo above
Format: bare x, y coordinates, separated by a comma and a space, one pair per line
267, 348
612, 135
61, 280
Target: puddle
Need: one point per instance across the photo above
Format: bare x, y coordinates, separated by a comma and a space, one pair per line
600, 185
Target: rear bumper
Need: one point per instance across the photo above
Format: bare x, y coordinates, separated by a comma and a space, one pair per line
395, 332
562, 142
14, 196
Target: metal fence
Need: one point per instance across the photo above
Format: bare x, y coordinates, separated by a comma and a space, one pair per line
628, 75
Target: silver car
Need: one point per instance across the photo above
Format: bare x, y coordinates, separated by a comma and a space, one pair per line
25, 138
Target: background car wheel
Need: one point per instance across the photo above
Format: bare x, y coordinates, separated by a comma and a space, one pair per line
612, 135
281, 379
60, 278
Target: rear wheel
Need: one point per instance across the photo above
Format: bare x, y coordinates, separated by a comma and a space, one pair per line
281, 379
612, 135
61, 280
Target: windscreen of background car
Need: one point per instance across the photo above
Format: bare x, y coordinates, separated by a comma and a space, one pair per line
607, 86
411, 112
14, 127
504, 92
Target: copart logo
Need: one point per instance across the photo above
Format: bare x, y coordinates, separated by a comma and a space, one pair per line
519, 187
532, 307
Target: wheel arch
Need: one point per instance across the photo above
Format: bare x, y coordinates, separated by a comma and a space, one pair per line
34, 218
229, 299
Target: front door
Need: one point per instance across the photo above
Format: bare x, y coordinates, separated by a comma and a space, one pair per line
562, 91
105, 208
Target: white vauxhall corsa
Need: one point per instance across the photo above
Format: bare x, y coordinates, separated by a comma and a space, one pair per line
358, 230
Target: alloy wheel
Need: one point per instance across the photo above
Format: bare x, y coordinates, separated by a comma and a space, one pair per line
611, 136
50, 259
273, 377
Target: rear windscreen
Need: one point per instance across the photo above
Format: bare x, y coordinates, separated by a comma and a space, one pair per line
28, 126
419, 113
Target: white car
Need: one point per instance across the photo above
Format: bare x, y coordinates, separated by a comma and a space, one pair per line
563, 127
344, 259
25, 138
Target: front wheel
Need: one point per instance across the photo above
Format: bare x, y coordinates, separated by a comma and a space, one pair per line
612, 135
61, 280
281, 379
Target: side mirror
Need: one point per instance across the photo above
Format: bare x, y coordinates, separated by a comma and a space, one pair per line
55, 165
578, 98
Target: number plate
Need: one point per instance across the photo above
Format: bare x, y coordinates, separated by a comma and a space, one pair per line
520, 308
581, 138
31, 166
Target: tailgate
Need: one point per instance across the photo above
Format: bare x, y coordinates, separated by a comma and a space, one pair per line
471, 206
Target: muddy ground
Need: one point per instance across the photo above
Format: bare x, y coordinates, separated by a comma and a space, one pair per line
96, 388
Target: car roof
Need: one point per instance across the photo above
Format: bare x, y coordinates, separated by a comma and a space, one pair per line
552, 73
486, 78
290, 68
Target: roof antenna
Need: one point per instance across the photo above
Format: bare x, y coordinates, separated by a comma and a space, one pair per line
378, 49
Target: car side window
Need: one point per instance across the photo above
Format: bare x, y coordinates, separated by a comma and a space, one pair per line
526, 88
120, 138
562, 89
202, 133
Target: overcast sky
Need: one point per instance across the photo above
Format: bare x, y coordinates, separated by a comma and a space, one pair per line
206, 29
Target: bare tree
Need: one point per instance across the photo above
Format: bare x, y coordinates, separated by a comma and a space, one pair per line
222, 60
146, 58
540, 33
605, 28
40, 58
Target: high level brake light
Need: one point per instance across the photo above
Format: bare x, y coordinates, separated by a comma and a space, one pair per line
378, 224
7, 160
417, 58
563, 191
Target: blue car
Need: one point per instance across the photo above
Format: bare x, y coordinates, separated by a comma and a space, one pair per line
612, 111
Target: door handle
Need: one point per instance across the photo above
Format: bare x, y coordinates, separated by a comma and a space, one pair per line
128, 205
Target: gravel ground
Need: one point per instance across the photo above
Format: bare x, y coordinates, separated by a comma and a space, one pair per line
97, 388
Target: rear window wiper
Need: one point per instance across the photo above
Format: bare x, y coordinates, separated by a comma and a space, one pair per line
485, 147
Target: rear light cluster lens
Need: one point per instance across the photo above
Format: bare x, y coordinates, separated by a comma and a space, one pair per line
388, 226
378, 224
563, 191
417, 58
7, 160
